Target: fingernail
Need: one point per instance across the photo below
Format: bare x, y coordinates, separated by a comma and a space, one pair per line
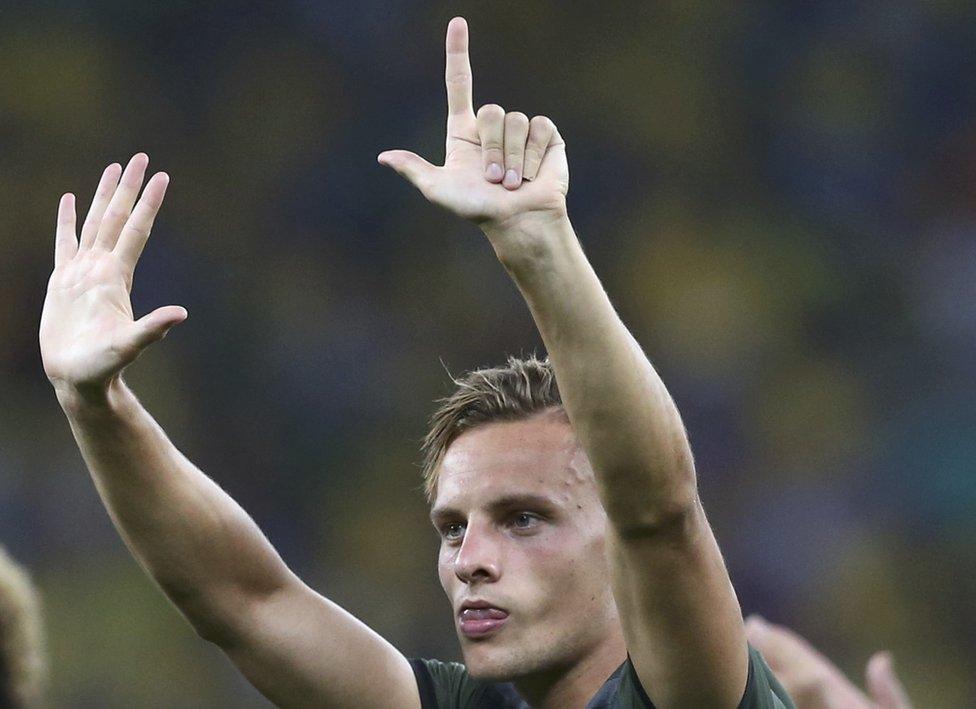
494, 172
511, 179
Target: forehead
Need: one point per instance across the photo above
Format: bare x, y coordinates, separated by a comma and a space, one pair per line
536, 456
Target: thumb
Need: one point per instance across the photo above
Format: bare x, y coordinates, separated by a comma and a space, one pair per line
883, 686
411, 166
154, 326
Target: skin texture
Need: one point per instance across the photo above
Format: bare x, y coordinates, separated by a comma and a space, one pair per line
543, 563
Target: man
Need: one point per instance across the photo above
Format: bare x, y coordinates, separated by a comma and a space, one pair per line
22, 658
815, 682
575, 551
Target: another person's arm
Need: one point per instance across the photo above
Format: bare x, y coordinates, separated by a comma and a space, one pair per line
204, 551
680, 615
814, 682
23, 657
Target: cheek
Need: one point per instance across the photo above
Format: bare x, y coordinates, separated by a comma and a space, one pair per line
552, 566
445, 572
579, 568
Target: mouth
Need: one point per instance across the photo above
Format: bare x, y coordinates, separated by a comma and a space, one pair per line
479, 619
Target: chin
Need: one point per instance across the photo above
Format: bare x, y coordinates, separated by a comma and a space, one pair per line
487, 672
488, 664
494, 663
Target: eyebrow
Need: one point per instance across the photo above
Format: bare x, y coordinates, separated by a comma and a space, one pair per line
505, 502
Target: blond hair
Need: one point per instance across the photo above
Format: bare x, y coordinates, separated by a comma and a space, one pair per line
22, 664
521, 388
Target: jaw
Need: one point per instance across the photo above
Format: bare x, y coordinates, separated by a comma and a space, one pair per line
487, 659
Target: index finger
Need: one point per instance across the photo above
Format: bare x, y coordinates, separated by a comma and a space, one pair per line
457, 75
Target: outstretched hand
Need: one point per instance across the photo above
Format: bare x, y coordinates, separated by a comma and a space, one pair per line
88, 333
499, 168
814, 682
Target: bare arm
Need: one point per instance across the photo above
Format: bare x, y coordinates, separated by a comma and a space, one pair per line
669, 580
681, 618
204, 551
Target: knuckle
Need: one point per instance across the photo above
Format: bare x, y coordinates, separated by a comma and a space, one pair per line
458, 78
543, 124
140, 231
516, 118
491, 110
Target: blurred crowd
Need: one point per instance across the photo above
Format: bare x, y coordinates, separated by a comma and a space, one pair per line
780, 199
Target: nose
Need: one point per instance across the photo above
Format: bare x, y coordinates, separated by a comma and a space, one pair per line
478, 557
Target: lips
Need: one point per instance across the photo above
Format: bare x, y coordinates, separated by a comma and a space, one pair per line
483, 614
479, 619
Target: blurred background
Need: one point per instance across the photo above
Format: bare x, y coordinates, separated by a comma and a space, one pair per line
779, 198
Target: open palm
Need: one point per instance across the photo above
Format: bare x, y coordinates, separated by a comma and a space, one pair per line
498, 166
88, 333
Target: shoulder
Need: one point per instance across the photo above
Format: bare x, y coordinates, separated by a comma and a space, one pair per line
763, 691
447, 685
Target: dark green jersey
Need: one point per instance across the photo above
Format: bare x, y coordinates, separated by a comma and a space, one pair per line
446, 685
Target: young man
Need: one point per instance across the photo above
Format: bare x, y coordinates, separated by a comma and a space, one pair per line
575, 552
23, 665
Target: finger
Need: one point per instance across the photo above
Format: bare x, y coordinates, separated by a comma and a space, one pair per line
136, 231
516, 132
541, 131
457, 75
800, 666
103, 193
555, 152
777, 644
883, 685
65, 242
491, 134
781, 646
119, 208
410, 166
154, 326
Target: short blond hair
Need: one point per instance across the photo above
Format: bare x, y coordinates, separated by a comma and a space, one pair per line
23, 668
518, 390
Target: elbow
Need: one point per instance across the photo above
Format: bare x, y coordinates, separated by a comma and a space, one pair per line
672, 512
210, 619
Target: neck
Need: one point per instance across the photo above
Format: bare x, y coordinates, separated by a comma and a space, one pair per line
575, 685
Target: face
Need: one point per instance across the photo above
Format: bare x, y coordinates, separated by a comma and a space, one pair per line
522, 527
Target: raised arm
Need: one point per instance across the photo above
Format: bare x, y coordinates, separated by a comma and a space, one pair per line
680, 615
204, 551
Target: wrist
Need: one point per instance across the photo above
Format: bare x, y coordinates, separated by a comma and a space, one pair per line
78, 400
531, 241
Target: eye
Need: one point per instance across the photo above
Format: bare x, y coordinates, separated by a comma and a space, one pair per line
453, 531
524, 520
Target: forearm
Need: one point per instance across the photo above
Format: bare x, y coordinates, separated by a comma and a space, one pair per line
203, 550
619, 407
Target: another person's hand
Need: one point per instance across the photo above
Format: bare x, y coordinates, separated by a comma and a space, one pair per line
814, 682
88, 333
501, 170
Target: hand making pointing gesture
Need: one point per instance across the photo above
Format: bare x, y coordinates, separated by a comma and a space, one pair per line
88, 333
499, 167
